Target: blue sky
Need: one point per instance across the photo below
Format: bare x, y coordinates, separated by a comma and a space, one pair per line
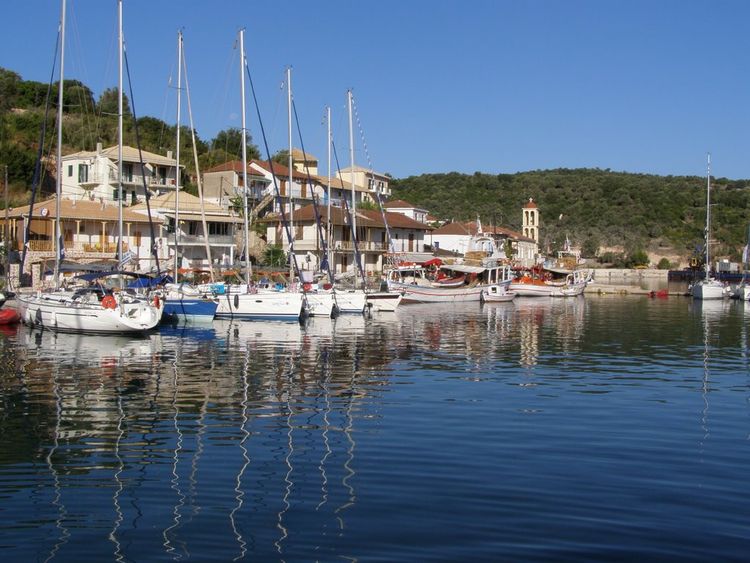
489, 86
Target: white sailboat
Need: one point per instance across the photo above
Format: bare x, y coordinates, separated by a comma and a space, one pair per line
708, 287
90, 309
249, 302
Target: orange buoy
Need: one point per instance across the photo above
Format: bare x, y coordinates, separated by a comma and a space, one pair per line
156, 301
109, 302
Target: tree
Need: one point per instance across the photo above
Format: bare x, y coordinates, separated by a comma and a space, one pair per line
108, 103
230, 142
664, 264
281, 157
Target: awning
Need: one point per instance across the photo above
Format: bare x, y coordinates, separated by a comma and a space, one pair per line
464, 268
209, 218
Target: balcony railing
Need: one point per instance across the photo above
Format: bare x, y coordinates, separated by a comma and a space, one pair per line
94, 247
213, 240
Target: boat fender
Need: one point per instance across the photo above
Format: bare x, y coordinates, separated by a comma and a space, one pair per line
306, 286
236, 301
157, 304
109, 302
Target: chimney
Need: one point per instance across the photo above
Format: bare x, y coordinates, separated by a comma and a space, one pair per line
101, 201
169, 154
98, 149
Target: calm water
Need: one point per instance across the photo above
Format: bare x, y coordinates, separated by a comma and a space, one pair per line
600, 427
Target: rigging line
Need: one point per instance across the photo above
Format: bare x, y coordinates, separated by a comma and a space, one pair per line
197, 170
391, 246
82, 101
323, 239
275, 121
38, 164
147, 193
287, 229
105, 75
357, 254
220, 108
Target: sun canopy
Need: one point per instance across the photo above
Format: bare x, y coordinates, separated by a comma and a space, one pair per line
464, 268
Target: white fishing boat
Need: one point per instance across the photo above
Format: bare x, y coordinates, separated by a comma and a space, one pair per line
497, 294
383, 301
91, 309
412, 282
708, 287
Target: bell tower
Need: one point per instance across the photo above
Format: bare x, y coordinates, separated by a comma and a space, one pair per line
530, 222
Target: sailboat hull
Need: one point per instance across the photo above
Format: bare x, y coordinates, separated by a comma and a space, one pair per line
320, 304
281, 305
708, 289
351, 301
189, 310
61, 312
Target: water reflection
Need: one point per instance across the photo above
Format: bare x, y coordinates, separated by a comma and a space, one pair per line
281, 440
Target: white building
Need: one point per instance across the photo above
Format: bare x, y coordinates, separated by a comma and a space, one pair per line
92, 175
220, 222
405, 208
372, 242
375, 182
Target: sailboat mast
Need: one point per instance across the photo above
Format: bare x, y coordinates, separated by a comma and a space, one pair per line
351, 177
119, 136
329, 225
290, 162
177, 168
248, 267
708, 216
58, 189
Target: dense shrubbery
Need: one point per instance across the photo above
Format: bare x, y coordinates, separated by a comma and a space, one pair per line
592, 207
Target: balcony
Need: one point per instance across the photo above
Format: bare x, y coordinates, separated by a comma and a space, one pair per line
213, 240
97, 248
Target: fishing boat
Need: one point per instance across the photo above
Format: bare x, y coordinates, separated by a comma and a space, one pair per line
537, 284
88, 310
412, 281
708, 287
497, 294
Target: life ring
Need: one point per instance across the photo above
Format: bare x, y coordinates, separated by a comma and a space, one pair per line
306, 286
109, 302
156, 301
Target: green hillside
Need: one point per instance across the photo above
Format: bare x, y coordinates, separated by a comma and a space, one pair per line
595, 208
86, 122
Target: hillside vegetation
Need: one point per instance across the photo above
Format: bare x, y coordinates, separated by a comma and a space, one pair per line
594, 208
86, 122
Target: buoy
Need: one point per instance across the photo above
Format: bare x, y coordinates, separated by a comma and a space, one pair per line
156, 301
109, 302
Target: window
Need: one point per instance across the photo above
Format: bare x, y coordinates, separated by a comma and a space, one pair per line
127, 171
83, 173
70, 170
298, 232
